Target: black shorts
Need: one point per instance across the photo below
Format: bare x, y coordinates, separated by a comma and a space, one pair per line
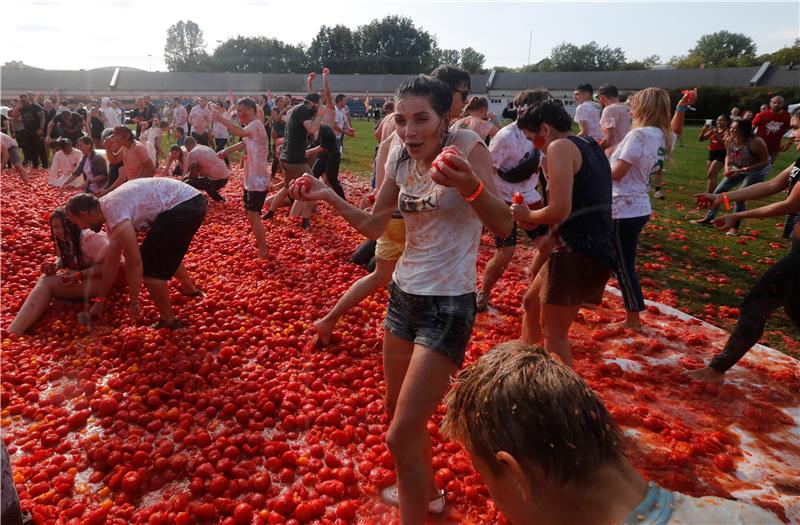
169, 237
201, 138
441, 323
718, 155
254, 200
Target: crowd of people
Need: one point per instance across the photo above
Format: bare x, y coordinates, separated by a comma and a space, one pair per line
445, 170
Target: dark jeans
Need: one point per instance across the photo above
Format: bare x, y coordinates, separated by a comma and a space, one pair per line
779, 286
207, 185
728, 183
329, 165
220, 144
789, 224
113, 174
626, 239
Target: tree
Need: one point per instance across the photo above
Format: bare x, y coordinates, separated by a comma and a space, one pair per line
588, 57
395, 45
335, 47
786, 55
258, 55
185, 48
720, 49
449, 57
645, 63
17, 64
472, 61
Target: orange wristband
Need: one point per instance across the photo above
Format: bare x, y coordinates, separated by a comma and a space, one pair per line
725, 201
477, 192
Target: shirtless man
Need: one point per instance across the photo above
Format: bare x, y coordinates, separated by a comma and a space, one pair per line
136, 161
200, 119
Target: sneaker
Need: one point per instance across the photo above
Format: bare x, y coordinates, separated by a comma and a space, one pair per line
704, 221
658, 194
267, 216
391, 495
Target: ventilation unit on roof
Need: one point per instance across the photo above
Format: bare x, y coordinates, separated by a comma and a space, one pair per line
114, 78
759, 74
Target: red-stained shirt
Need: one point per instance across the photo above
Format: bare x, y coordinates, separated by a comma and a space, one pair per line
771, 126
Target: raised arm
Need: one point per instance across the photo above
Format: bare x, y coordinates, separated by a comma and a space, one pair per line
757, 191
688, 98
235, 129
563, 159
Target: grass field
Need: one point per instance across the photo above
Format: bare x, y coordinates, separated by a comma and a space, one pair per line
707, 271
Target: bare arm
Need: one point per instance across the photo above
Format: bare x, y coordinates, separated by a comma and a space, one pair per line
705, 133
563, 160
609, 137
239, 146
757, 191
789, 205
619, 170
312, 126
232, 127
677, 119
584, 132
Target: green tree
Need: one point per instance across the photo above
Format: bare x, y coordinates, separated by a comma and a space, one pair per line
258, 55
395, 45
449, 57
588, 57
644, 63
720, 49
472, 61
336, 48
786, 55
185, 47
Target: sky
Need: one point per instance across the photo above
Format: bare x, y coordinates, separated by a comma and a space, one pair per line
128, 33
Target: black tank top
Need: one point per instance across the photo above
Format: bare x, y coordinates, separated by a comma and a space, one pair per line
588, 228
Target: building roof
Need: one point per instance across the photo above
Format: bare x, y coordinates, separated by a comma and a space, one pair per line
131, 82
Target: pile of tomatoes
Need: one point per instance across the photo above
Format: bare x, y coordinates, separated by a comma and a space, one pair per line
240, 419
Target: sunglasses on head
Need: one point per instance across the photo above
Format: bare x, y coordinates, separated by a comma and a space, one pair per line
464, 93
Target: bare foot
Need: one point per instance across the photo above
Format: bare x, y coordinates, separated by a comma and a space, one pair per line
706, 374
263, 254
627, 325
324, 330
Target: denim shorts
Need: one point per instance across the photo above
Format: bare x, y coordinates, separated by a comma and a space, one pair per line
441, 323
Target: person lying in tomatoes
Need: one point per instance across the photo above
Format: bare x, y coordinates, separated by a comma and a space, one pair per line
75, 274
560, 458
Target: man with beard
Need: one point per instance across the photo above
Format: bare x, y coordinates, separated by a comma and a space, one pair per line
172, 210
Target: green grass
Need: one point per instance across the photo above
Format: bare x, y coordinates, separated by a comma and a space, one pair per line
679, 255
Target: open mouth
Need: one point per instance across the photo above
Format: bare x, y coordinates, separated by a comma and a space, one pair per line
413, 146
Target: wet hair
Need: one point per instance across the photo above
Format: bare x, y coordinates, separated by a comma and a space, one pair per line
163, 124
453, 77
608, 90
106, 133
438, 93
313, 98
247, 102
64, 142
86, 140
550, 419
68, 249
178, 128
585, 87
190, 141
651, 107
125, 130
388, 107
475, 104
175, 147
745, 127
531, 97
82, 202
550, 112
339, 97
796, 113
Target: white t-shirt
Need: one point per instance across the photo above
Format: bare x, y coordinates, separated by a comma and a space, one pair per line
199, 118
111, 117
211, 165
8, 141
93, 246
508, 148
663, 507
256, 176
590, 113
141, 200
180, 117
150, 137
616, 116
63, 166
120, 115
340, 119
442, 230
481, 127
645, 150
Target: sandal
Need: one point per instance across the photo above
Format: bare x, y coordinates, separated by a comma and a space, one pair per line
196, 293
391, 495
175, 324
482, 302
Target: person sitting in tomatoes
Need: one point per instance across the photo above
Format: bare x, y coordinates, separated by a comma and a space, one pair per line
559, 444
75, 274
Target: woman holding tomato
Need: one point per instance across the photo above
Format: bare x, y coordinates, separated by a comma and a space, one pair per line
443, 185
74, 274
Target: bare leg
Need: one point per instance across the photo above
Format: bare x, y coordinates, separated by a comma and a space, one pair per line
495, 268
160, 295
425, 383
396, 357
714, 168
38, 301
258, 230
187, 285
556, 321
360, 290
531, 327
